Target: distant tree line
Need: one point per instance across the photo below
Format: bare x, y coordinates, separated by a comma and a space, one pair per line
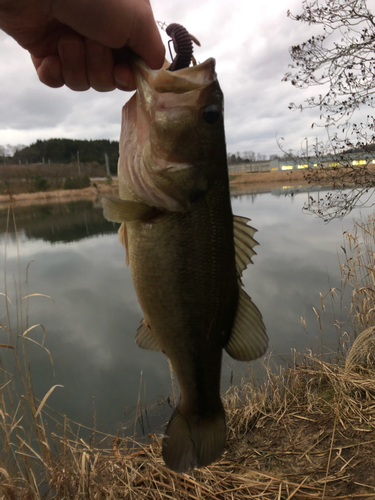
71, 150
62, 151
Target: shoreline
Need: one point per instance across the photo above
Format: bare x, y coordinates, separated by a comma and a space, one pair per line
253, 180
261, 181
59, 196
267, 177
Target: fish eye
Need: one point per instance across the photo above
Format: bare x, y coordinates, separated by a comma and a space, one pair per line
211, 114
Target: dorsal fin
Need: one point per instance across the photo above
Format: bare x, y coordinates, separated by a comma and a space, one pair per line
243, 242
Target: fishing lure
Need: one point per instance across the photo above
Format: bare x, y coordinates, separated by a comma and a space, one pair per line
183, 46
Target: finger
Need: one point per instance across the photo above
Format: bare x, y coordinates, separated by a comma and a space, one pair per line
145, 38
123, 77
99, 66
72, 56
49, 70
115, 23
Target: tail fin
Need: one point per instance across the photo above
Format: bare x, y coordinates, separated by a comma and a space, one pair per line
192, 440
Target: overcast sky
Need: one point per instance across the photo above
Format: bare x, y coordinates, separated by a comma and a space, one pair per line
248, 39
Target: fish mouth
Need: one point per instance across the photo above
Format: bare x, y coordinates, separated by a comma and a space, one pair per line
153, 136
186, 79
150, 83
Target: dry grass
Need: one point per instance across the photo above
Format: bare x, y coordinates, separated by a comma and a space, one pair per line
306, 432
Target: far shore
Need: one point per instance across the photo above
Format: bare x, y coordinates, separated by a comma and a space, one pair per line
238, 182
280, 178
61, 195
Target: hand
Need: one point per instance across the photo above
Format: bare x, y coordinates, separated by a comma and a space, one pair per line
74, 42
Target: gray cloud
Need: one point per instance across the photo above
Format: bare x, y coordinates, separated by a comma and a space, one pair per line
250, 43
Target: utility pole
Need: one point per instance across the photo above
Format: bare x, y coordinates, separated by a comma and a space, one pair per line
79, 165
307, 149
107, 164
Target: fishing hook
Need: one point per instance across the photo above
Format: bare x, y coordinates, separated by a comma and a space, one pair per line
183, 46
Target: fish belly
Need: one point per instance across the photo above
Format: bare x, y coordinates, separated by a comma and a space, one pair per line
183, 269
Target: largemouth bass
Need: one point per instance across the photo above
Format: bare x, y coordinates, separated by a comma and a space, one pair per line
185, 249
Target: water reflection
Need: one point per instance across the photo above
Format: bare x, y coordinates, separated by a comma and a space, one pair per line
92, 319
59, 222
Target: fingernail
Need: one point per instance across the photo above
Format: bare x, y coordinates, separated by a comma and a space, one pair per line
123, 78
121, 85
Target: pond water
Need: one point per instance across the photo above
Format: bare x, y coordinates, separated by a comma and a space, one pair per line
93, 314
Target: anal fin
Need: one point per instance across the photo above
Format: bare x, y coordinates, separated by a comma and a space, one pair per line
123, 239
145, 338
248, 339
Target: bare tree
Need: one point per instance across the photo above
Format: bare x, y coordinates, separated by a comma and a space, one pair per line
340, 60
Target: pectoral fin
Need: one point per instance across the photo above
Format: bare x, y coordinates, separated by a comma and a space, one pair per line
145, 338
248, 339
117, 210
243, 242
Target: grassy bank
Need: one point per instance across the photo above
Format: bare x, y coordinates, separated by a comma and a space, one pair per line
305, 432
16, 179
288, 177
23, 190
61, 195
238, 182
